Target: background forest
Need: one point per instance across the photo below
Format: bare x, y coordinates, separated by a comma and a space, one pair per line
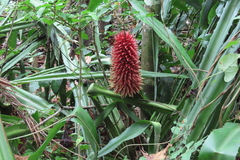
56, 101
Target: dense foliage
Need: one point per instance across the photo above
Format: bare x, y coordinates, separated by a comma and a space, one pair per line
56, 99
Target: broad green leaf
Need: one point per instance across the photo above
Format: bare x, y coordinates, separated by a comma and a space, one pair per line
55, 85
94, 90
104, 114
212, 13
129, 111
190, 148
194, 3
12, 42
94, 4
16, 130
231, 43
180, 4
30, 99
155, 136
51, 134
11, 119
204, 14
79, 140
228, 64
5, 149
107, 18
44, 83
222, 143
89, 130
131, 132
33, 86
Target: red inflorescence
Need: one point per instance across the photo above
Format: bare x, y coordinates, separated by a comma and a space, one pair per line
125, 76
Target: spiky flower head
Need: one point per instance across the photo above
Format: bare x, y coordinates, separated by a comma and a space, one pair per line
125, 76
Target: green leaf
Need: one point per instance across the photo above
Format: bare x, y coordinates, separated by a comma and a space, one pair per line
13, 40
57, 76
89, 129
129, 111
16, 27
149, 74
3, 5
94, 4
56, 84
94, 90
44, 83
84, 35
11, 119
21, 55
51, 135
155, 136
228, 64
44, 76
58, 31
16, 130
180, 4
212, 13
194, 3
107, 18
231, 43
237, 17
79, 140
104, 114
5, 150
131, 132
222, 143
31, 100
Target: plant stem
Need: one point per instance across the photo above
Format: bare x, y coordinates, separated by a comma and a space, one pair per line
144, 104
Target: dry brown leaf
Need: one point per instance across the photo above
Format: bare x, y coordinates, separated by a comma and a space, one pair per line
88, 59
17, 157
161, 155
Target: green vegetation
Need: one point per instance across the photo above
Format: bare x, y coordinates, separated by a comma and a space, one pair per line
56, 101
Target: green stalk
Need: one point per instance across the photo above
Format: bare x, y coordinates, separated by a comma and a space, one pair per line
210, 100
5, 150
144, 104
80, 75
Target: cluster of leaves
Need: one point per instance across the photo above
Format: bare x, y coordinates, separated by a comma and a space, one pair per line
55, 55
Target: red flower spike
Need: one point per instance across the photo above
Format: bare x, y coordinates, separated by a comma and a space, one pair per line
125, 76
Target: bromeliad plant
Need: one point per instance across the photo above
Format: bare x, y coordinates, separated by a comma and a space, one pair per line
111, 124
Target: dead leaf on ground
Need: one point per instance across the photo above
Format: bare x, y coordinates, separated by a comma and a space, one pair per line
88, 59
161, 155
17, 157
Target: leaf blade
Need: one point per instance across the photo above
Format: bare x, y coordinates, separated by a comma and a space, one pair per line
218, 148
131, 132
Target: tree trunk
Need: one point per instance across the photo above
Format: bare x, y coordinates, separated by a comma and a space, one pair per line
148, 50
